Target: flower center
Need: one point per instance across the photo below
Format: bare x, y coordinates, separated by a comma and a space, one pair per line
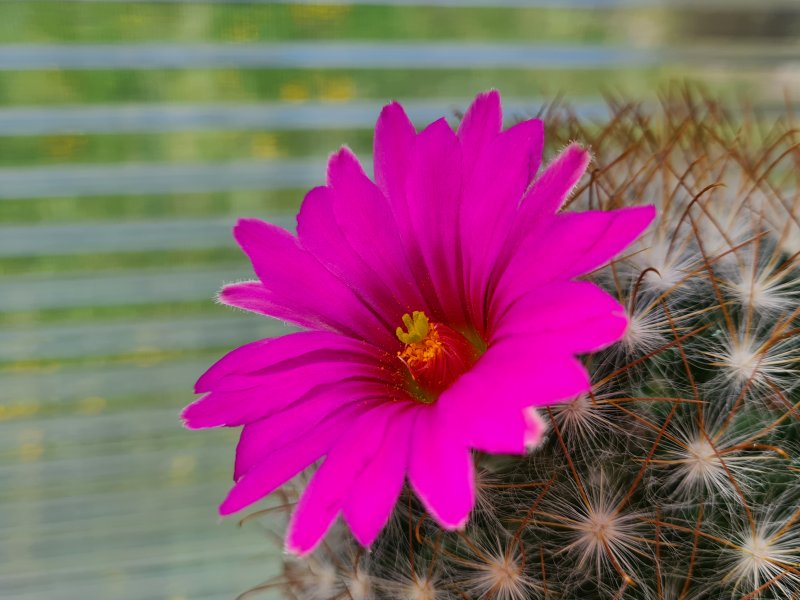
435, 355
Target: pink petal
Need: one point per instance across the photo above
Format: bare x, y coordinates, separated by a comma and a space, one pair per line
394, 140
547, 194
394, 145
261, 437
535, 429
527, 374
296, 279
481, 124
280, 467
372, 497
321, 233
238, 399
492, 192
433, 189
262, 354
362, 210
441, 469
234, 408
338, 225
573, 316
478, 409
600, 235
555, 184
325, 494
252, 296
573, 244
488, 405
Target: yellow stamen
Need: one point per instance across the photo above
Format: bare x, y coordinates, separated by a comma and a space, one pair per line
423, 351
434, 354
417, 327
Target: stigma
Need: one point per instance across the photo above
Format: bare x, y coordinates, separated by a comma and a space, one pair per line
434, 354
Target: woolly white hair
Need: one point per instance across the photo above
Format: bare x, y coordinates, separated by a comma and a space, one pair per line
706, 456
493, 566
605, 536
752, 360
761, 558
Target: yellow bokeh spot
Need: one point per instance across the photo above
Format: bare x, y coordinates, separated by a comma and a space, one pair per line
182, 466
132, 18
30, 452
92, 405
317, 14
148, 356
294, 92
265, 145
243, 31
338, 90
31, 435
18, 410
117, 581
64, 146
31, 445
232, 79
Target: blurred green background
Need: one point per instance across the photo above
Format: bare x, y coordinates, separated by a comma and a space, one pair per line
131, 136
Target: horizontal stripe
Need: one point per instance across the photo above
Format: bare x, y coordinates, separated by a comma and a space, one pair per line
274, 116
422, 3
101, 469
377, 55
582, 4
231, 581
109, 381
74, 510
316, 55
114, 289
95, 513
82, 430
224, 86
143, 179
184, 234
75, 340
199, 582
145, 572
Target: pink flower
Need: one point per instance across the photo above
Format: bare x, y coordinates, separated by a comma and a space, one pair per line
440, 305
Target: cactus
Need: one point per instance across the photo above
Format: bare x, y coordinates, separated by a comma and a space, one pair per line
678, 476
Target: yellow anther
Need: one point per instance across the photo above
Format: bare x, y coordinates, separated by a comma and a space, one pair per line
417, 327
